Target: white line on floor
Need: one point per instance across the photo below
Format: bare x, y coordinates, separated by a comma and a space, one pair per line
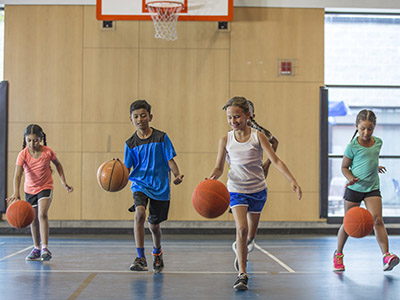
285, 266
18, 252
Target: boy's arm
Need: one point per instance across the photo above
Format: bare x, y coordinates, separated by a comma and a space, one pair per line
175, 170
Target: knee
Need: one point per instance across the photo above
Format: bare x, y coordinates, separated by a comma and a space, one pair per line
43, 216
154, 228
140, 216
242, 231
378, 221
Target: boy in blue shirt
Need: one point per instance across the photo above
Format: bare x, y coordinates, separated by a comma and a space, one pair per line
151, 155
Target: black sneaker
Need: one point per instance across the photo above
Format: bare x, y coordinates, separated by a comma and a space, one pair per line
241, 282
140, 264
158, 262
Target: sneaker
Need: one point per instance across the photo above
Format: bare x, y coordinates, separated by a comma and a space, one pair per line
140, 264
390, 261
338, 261
34, 255
241, 282
45, 254
158, 262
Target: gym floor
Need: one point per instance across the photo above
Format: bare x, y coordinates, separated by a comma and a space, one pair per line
196, 267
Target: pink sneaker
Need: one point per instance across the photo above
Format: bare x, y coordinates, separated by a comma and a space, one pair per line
338, 261
390, 261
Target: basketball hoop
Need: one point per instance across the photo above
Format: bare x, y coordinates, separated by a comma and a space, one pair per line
165, 15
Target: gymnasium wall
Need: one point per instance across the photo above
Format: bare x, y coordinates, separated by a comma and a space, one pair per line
77, 81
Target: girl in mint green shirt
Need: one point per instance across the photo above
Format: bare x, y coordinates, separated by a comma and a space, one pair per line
360, 166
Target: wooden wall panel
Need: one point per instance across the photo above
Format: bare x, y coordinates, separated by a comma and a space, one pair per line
259, 36
43, 63
187, 91
110, 82
285, 207
107, 137
125, 34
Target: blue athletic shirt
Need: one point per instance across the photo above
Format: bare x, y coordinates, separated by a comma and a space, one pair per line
149, 158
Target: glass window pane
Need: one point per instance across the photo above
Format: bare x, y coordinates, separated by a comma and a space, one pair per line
362, 49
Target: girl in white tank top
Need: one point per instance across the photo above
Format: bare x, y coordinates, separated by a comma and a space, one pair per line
242, 148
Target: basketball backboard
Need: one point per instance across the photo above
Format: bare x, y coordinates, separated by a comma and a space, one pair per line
193, 10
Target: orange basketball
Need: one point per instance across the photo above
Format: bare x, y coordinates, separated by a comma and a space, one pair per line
210, 198
112, 175
20, 214
358, 222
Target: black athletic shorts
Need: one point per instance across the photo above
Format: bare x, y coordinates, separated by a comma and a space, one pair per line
158, 209
354, 196
34, 199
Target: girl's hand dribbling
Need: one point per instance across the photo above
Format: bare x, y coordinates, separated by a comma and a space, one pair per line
12, 199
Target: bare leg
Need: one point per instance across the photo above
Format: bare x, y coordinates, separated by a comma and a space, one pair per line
35, 230
155, 230
43, 206
239, 214
342, 235
140, 216
374, 205
253, 220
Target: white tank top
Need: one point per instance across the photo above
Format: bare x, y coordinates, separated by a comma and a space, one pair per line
245, 174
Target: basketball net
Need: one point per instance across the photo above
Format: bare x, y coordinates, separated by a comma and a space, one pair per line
165, 15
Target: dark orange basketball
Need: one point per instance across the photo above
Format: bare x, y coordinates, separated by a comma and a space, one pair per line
20, 214
210, 198
358, 222
112, 175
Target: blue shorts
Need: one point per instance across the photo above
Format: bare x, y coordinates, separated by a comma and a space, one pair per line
255, 201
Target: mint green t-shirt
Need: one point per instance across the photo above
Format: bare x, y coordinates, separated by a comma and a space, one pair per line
364, 165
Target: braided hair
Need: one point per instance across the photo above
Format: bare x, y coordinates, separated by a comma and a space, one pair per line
34, 129
364, 115
254, 124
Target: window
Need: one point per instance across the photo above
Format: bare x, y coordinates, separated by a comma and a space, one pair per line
362, 59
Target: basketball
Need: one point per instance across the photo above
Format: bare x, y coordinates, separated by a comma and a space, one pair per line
210, 198
112, 175
20, 214
358, 222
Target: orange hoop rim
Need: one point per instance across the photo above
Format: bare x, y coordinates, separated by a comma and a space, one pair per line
159, 4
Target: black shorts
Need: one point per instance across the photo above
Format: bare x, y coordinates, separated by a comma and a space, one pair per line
354, 196
34, 199
158, 210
